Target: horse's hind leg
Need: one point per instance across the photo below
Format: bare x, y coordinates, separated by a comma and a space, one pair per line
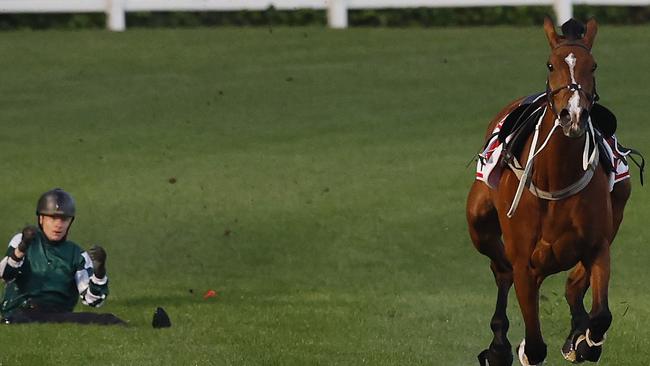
500, 351
483, 224
486, 235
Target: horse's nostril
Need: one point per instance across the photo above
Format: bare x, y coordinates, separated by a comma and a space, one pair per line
564, 113
584, 116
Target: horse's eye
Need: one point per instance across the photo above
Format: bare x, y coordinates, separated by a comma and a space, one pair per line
549, 66
594, 68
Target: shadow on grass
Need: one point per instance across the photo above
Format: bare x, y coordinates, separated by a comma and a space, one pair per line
165, 300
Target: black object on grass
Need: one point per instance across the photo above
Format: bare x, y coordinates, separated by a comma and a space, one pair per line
161, 319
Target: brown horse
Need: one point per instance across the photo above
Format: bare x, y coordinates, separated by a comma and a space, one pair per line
572, 226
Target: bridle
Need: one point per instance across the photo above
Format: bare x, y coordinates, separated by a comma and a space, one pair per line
592, 98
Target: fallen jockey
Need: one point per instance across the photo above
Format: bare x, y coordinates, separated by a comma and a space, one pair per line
506, 142
46, 274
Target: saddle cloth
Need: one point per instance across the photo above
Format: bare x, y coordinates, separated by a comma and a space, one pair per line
489, 168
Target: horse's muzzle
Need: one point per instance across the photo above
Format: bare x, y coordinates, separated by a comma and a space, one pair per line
574, 125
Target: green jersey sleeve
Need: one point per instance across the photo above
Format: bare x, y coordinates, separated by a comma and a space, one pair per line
9, 267
92, 290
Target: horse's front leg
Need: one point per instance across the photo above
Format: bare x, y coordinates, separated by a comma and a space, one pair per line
532, 350
576, 287
578, 281
589, 346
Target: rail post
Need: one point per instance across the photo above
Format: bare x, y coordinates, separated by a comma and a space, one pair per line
563, 10
115, 17
337, 14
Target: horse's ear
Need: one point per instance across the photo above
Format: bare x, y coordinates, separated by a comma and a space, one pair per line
590, 34
549, 29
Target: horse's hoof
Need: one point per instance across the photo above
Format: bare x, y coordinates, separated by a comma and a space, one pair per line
523, 359
586, 353
582, 349
570, 355
569, 350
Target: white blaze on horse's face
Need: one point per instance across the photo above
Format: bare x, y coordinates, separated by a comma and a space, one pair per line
571, 61
571, 82
574, 101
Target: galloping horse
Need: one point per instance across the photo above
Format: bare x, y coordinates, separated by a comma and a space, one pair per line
566, 217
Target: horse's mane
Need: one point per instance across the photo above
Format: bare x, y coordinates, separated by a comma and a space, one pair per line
572, 30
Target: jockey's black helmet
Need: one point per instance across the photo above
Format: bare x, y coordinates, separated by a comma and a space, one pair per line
56, 202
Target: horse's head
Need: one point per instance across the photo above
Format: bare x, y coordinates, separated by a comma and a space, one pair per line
571, 84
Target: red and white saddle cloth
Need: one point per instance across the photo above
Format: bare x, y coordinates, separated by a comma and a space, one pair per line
488, 168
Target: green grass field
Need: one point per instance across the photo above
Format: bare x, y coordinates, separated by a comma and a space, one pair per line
315, 179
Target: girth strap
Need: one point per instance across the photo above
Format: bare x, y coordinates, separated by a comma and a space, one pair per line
562, 193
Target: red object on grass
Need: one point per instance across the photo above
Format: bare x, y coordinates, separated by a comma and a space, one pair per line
209, 294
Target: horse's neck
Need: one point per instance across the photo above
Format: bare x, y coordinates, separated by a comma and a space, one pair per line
560, 163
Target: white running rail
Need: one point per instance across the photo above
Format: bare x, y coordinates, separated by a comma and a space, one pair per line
337, 10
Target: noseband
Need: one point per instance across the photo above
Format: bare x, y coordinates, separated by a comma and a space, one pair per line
592, 98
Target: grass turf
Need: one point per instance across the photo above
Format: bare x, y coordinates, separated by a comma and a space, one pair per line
315, 179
